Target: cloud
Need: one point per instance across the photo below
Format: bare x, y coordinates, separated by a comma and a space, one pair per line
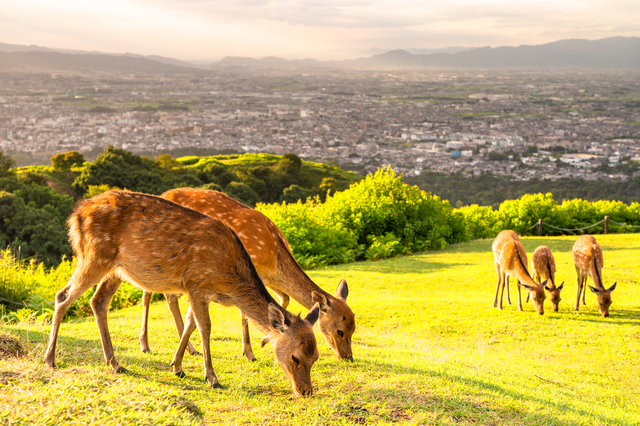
202, 29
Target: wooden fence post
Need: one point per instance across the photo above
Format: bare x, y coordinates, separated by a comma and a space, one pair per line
606, 224
539, 227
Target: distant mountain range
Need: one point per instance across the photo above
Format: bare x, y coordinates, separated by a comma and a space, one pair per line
613, 52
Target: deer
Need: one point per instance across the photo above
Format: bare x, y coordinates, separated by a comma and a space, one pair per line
272, 257
510, 259
163, 247
543, 267
588, 260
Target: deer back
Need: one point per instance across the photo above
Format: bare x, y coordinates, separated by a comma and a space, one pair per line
544, 264
587, 255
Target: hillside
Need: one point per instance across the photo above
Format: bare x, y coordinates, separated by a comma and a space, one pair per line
428, 348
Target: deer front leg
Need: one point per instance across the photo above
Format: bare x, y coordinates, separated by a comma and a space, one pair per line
508, 292
83, 278
584, 289
246, 339
174, 308
184, 341
200, 311
144, 336
519, 296
504, 280
100, 306
577, 305
495, 300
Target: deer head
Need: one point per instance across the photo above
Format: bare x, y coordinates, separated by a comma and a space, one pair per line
604, 298
295, 346
337, 322
554, 295
537, 294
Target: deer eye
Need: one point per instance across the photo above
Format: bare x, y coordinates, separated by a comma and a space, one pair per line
294, 359
340, 333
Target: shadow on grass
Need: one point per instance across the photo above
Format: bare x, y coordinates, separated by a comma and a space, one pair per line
422, 266
466, 408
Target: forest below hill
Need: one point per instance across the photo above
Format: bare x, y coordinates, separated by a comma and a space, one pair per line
491, 190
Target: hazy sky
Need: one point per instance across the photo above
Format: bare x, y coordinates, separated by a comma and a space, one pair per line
321, 29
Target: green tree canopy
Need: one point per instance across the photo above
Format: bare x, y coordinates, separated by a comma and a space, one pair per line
66, 160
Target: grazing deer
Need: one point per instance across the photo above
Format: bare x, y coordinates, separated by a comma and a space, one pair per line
163, 247
511, 260
587, 257
543, 267
270, 253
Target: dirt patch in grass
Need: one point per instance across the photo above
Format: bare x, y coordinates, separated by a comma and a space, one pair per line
10, 347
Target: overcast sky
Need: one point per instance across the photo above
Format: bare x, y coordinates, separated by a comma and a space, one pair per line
321, 29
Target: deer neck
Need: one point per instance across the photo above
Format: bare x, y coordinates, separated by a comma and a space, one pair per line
293, 281
255, 306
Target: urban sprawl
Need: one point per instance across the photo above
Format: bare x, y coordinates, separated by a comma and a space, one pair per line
523, 124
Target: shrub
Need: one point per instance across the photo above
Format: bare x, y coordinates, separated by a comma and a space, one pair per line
314, 241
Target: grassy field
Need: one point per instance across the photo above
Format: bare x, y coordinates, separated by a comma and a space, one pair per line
429, 349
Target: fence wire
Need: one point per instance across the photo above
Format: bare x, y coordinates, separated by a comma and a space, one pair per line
582, 229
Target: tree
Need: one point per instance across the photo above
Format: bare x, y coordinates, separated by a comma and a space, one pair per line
66, 160
6, 164
242, 193
294, 193
117, 167
35, 232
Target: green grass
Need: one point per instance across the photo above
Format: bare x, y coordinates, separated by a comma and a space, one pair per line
429, 349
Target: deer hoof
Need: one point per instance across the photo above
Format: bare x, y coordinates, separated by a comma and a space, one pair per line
180, 374
217, 386
146, 351
121, 370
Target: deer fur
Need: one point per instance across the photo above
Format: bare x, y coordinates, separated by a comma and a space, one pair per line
543, 267
271, 255
163, 247
588, 260
510, 259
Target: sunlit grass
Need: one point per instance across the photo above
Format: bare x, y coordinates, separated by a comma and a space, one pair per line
429, 349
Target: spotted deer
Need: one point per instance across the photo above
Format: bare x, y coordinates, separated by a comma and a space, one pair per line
543, 267
511, 260
163, 247
270, 253
587, 257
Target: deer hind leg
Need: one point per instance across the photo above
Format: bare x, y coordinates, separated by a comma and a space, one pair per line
144, 337
174, 308
84, 277
508, 292
100, 305
519, 296
200, 311
184, 341
247, 350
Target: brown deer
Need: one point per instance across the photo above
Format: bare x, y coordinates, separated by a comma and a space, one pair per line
543, 267
511, 260
163, 247
270, 253
587, 257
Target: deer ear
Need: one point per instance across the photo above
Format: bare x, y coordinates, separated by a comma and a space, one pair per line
561, 285
594, 290
528, 287
613, 287
321, 300
276, 319
343, 290
312, 316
